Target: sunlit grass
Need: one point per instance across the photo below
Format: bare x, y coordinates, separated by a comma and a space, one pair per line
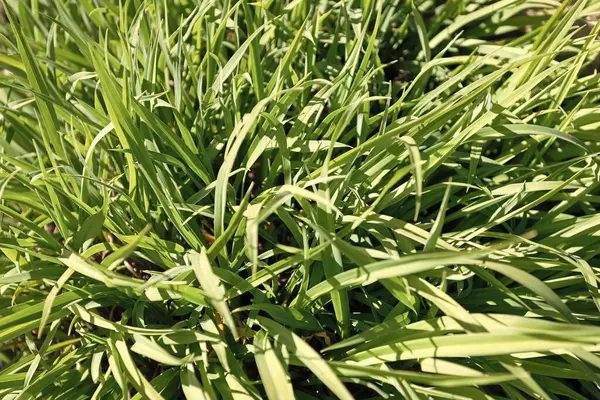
299, 199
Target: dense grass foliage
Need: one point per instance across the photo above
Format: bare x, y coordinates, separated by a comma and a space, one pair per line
211, 199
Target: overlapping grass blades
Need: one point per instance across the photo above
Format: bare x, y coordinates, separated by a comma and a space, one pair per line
309, 199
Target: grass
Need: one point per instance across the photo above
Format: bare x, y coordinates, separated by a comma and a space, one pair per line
299, 199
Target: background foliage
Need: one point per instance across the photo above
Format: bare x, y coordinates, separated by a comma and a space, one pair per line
310, 199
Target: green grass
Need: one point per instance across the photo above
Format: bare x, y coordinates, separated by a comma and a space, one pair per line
210, 199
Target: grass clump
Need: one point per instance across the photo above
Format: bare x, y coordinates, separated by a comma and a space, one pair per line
304, 199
